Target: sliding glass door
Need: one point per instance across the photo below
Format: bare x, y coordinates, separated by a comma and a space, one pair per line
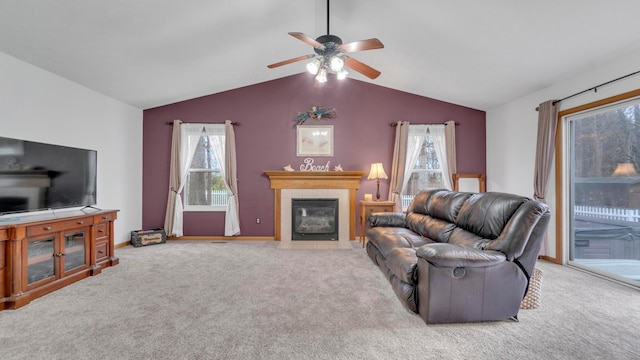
602, 147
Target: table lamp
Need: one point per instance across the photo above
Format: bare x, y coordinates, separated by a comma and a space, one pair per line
377, 172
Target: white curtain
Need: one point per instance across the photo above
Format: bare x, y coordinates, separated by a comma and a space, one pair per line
417, 134
440, 144
187, 149
232, 226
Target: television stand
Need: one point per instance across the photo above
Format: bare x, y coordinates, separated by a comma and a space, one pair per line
43, 253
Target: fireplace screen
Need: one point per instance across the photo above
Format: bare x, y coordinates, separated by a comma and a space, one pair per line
314, 219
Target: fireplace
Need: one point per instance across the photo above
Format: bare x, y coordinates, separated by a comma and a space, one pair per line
289, 185
314, 219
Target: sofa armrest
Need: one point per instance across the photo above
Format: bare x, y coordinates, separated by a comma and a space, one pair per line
453, 255
391, 219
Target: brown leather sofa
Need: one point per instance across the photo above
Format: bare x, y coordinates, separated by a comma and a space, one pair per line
460, 257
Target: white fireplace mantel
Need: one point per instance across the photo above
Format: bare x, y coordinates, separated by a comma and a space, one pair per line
338, 184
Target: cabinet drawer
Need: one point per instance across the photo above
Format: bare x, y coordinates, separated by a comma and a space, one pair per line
102, 251
381, 208
103, 217
102, 230
57, 226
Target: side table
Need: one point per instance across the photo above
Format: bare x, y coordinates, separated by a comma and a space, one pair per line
369, 207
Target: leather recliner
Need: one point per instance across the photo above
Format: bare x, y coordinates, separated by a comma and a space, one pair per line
460, 257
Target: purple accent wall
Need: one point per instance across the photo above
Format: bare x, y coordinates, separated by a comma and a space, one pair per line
266, 140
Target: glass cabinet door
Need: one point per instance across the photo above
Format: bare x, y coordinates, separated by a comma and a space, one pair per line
40, 259
74, 250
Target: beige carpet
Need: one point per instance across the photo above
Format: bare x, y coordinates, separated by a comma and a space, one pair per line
250, 300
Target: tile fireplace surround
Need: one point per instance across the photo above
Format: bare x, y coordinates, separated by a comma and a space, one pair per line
340, 185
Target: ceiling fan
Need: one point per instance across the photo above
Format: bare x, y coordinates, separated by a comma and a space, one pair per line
330, 55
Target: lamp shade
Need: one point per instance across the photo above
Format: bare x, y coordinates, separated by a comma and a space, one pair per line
625, 169
377, 172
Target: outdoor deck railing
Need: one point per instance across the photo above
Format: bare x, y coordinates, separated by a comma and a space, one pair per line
218, 197
631, 215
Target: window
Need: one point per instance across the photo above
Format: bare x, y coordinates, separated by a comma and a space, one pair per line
602, 190
426, 171
425, 158
205, 189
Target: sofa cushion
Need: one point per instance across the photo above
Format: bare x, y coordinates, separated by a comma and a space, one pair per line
460, 236
445, 205
403, 263
458, 256
420, 202
405, 292
428, 226
516, 234
394, 219
389, 238
486, 214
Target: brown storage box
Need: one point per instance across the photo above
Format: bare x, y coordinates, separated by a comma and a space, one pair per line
148, 237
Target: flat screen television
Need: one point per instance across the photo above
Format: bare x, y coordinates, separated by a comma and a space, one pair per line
37, 176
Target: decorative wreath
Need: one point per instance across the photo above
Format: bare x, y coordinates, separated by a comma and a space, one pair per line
317, 113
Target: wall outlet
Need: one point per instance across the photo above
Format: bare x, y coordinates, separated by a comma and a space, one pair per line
258, 220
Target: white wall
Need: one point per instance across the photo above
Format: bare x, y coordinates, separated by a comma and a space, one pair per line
40, 106
512, 128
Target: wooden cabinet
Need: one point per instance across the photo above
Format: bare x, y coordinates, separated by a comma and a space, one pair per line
42, 253
369, 207
54, 255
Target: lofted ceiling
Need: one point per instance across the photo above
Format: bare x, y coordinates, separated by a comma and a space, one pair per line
478, 54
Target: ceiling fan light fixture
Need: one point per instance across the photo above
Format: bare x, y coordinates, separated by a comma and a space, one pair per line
314, 66
322, 75
336, 64
329, 55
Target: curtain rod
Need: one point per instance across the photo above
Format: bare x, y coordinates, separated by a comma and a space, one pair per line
396, 124
235, 123
595, 88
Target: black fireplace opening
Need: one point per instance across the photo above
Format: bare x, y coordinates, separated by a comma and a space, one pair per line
314, 219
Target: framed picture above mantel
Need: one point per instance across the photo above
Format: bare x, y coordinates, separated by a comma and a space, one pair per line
314, 140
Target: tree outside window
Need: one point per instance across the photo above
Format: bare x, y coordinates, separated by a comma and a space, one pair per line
205, 185
427, 172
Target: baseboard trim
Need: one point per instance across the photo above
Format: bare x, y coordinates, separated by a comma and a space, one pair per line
122, 244
207, 238
218, 238
551, 259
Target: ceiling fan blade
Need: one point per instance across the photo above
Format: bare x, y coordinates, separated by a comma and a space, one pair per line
360, 67
290, 61
361, 45
302, 37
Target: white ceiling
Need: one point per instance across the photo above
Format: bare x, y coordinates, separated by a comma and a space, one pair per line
479, 54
